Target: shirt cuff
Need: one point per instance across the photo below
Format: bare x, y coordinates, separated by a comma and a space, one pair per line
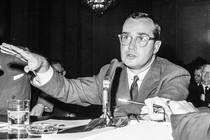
43, 78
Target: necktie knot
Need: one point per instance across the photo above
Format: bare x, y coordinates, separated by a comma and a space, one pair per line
206, 88
136, 78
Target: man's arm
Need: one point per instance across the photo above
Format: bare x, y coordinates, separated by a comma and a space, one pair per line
35, 63
191, 126
82, 91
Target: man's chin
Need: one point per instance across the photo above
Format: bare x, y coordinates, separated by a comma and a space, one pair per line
130, 66
130, 63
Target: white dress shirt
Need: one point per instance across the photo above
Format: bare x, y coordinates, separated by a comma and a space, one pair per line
204, 94
43, 78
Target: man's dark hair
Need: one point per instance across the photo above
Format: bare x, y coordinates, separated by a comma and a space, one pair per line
139, 15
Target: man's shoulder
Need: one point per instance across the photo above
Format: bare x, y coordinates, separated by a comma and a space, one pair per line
164, 61
168, 66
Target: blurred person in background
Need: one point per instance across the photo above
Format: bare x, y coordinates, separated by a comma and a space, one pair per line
195, 87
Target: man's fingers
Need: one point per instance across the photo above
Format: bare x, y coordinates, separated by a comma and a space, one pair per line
37, 110
15, 50
33, 112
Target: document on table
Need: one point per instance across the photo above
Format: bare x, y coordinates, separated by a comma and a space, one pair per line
62, 124
3, 124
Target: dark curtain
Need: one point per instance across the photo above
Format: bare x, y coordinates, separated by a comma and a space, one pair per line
67, 30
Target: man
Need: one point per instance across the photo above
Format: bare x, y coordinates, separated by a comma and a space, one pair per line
195, 87
197, 75
140, 41
14, 82
205, 82
51, 106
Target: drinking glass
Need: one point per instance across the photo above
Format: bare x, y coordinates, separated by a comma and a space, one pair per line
18, 114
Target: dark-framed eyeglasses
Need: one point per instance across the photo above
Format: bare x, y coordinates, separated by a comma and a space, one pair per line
60, 72
140, 40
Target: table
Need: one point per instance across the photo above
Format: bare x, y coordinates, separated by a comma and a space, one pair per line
144, 130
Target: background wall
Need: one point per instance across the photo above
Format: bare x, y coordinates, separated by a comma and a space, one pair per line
193, 30
72, 32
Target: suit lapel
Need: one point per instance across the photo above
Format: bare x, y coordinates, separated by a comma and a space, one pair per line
150, 81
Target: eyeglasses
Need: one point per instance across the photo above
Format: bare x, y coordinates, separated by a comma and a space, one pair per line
140, 41
60, 72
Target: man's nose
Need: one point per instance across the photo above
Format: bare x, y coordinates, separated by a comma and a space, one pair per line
132, 44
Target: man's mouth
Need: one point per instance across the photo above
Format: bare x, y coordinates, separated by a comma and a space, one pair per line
131, 56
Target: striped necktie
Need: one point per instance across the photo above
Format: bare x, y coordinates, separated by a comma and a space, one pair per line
134, 88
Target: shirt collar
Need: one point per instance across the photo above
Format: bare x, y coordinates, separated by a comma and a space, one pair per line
140, 75
208, 86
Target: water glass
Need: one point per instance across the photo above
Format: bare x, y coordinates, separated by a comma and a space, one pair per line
18, 114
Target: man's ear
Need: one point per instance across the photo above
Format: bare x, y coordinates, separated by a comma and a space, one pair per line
64, 73
157, 46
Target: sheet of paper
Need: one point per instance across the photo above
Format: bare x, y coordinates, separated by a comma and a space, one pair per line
2, 124
66, 123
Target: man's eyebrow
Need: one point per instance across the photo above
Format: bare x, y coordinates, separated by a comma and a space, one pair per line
143, 34
137, 33
125, 33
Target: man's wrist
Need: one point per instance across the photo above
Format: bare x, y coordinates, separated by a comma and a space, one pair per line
43, 78
44, 66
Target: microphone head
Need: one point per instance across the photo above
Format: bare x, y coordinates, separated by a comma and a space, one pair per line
112, 67
114, 62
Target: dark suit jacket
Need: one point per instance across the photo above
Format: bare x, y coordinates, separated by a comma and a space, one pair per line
13, 80
164, 79
195, 96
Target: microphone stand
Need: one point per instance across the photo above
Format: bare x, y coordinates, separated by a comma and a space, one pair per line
104, 121
105, 104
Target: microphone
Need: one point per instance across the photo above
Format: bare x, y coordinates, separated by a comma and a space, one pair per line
105, 119
106, 86
113, 65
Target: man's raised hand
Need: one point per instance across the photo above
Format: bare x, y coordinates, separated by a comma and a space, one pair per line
34, 61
